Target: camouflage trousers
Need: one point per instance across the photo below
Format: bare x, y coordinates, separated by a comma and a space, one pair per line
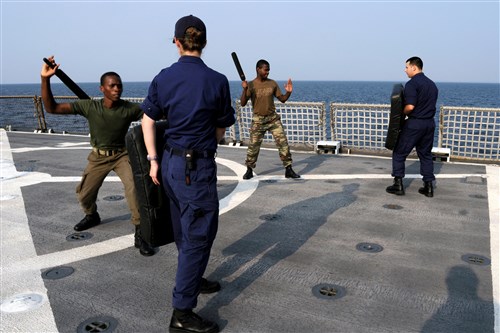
260, 125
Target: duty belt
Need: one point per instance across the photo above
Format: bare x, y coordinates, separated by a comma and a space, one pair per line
111, 152
190, 155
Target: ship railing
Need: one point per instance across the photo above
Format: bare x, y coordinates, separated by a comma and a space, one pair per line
470, 133
304, 122
466, 133
360, 126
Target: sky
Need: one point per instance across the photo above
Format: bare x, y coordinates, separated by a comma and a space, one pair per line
458, 41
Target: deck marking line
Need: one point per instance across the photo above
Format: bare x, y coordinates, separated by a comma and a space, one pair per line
15, 243
243, 190
493, 173
25, 150
247, 184
73, 255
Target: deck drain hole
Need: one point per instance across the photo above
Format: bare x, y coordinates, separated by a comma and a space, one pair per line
22, 302
114, 197
478, 196
79, 236
270, 217
98, 324
476, 259
369, 247
270, 181
331, 181
328, 291
58, 273
392, 206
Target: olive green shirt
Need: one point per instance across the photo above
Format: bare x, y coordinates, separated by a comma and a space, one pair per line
108, 127
262, 96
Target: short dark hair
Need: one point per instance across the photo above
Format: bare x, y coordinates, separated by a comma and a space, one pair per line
105, 75
416, 61
261, 63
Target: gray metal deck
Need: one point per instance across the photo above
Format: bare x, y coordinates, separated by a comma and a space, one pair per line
288, 253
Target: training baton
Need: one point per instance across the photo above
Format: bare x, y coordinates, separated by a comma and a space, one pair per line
238, 66
67, 81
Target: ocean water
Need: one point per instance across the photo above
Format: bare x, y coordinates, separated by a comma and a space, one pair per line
19, 113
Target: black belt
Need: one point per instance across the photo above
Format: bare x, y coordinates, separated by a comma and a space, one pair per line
421, 118
192, 153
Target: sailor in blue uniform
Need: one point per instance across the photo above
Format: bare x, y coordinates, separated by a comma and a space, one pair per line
420, 96
196, 102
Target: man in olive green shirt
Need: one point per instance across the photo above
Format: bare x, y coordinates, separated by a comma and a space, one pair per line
109, 120
261, 91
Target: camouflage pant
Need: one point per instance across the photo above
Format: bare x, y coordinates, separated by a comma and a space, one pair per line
260, 125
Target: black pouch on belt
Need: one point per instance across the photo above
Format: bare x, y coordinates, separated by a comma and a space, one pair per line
190, 164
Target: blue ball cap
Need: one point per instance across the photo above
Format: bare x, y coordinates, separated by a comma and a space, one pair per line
187, 22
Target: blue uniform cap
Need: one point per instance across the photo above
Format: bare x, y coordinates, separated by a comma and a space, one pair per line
187, 22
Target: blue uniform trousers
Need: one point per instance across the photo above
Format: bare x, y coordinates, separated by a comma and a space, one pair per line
195, 217
418, 134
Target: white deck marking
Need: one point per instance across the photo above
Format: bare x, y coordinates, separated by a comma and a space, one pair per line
24, 150
17, 245
493, 173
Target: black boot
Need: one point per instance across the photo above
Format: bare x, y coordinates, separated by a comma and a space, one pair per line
186, 321
248, 174
427, 190
397, 188
144, 248
88, 222
289, 173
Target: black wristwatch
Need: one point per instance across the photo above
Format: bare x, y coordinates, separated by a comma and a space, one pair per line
152, 158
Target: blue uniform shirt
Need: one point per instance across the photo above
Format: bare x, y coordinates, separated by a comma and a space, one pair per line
422, 93
194, 99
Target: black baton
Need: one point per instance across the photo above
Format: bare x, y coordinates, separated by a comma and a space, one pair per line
68, 82
238, 66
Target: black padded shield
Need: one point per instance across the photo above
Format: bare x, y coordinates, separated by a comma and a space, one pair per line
154, 204
396, 118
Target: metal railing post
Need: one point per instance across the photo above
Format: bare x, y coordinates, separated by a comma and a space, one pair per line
441, 126
39, 113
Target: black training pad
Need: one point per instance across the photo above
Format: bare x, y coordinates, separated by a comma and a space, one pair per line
154, 205
397, 117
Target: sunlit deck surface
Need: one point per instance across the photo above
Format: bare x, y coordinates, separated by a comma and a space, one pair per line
331, 252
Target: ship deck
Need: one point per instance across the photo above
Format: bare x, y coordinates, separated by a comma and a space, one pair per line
330, 252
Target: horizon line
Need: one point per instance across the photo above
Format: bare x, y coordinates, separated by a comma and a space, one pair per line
278, 80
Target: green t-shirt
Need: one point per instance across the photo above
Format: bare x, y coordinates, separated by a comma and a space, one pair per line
108, 127
262, 96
